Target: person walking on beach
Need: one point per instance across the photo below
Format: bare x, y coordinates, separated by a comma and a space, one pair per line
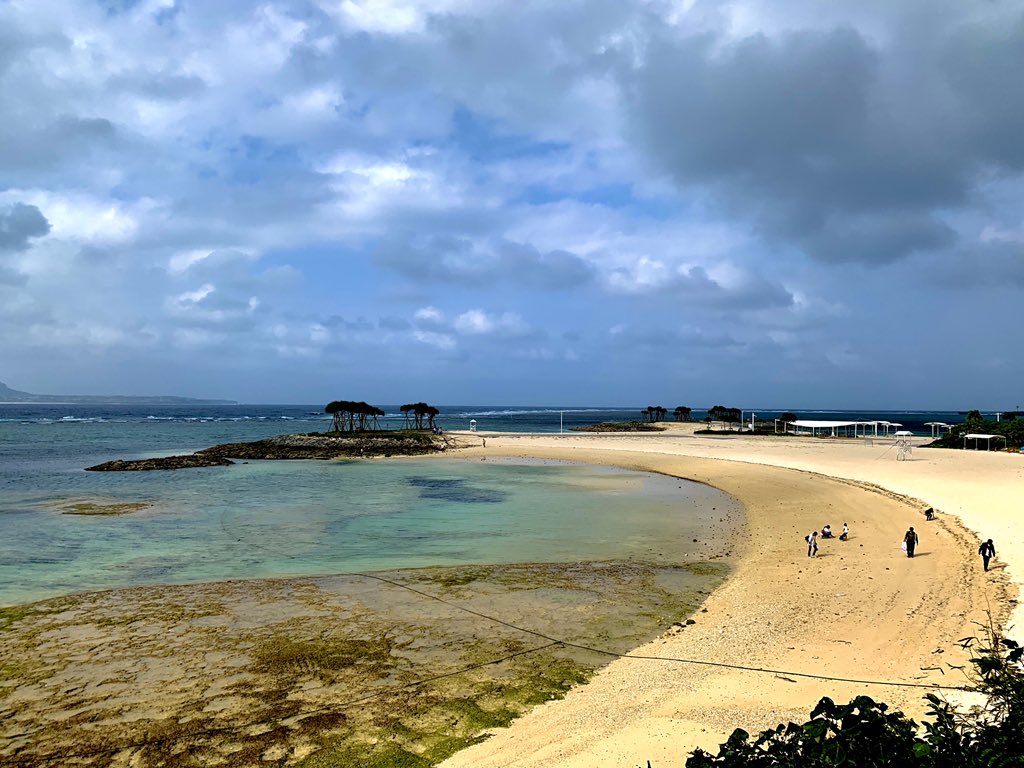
812, 543
987, 552
911, 540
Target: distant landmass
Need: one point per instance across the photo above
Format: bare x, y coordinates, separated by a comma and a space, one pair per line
8, 395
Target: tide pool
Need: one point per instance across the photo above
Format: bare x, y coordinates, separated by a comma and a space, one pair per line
274, 519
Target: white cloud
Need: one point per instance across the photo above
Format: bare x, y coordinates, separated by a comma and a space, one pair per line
429, 315
196, 296
442, 341
476, 322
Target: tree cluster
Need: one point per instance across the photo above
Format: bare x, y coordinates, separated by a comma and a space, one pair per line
654, 413
419, 411
682, 413
1010, 428
351, 416
729, 415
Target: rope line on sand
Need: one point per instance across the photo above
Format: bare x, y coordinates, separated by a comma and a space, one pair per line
616, 654
675, 659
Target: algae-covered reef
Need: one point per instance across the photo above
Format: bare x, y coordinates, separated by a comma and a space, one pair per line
327, 445
621, 426
398, 668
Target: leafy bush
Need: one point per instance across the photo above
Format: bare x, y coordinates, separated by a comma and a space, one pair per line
864, 734
1011, 429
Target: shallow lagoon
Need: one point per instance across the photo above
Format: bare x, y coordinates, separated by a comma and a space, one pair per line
271, 519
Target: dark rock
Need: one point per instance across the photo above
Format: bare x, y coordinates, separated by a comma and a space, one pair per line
313, 446
621, 426
167, 462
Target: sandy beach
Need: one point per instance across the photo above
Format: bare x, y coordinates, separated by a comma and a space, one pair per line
860, 610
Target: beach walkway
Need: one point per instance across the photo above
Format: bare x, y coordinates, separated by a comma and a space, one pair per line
861, 610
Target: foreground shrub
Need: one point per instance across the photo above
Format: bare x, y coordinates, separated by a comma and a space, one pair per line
864, 734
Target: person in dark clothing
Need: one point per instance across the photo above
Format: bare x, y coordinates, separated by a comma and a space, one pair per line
911, 540
987, 552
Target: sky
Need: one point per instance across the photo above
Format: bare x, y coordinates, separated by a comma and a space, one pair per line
760, 203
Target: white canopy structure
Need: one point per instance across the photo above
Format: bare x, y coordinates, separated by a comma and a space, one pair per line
815, 425
986, 438
937, 427
904, 433
848, 428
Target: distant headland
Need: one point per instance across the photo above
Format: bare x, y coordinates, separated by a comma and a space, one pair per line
8, 395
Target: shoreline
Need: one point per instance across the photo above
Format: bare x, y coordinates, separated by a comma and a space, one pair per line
848, 618
847, 614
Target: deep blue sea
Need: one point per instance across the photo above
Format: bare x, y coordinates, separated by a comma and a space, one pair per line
267, 519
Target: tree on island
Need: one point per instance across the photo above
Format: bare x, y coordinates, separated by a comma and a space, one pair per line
420, 411
349, 416
682, 413
654, 413
788, 417
973, 416
728, 415
406, 410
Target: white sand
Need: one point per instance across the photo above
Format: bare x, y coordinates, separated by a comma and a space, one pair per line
862, 610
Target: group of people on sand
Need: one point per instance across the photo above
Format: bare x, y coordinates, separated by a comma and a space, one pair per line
826, 533
909, 545
910, 541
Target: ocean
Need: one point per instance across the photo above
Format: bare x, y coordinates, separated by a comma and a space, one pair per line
267, 519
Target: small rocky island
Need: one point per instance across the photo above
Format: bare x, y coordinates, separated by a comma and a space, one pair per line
316, 445
621, 426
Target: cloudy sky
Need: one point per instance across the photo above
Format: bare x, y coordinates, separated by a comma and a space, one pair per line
766, 203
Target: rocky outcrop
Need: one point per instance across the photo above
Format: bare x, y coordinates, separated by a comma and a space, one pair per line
313, 446
621, 426
166, 462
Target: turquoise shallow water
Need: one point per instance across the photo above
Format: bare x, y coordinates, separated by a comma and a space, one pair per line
268, 519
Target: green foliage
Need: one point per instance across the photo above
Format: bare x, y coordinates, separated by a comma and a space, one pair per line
861, 733
722, 413
1011, 429
865, 734
352, 415
654, 413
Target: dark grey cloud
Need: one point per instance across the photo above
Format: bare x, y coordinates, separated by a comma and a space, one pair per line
163, 86
982, 65
394, 324
29, 147
11, 277
825, 140
671, 339
20, 223
342, 323
447, 259
996, 264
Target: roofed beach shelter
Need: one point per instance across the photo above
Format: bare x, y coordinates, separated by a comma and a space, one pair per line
937, 427
986, 438
847, 428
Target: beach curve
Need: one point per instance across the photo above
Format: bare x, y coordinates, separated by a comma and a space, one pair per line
861, 610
